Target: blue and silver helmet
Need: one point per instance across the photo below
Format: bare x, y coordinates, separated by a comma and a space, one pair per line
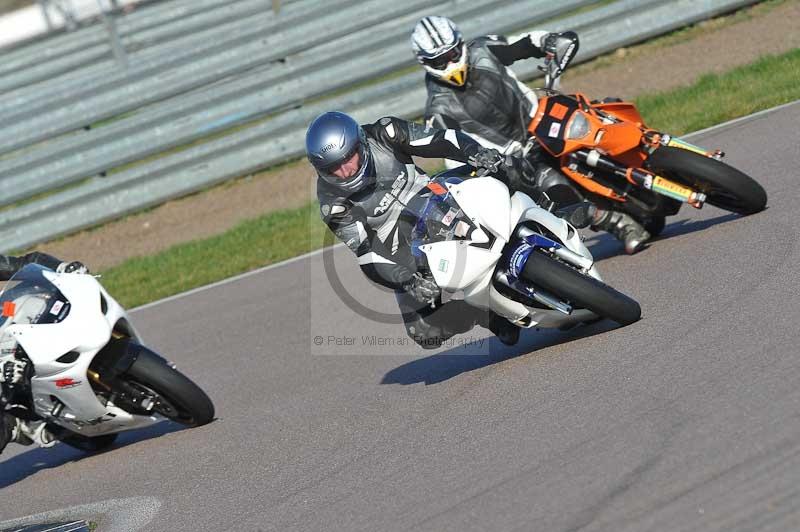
332, 139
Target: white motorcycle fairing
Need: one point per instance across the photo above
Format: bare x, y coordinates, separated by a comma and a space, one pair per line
468, 265
62, 352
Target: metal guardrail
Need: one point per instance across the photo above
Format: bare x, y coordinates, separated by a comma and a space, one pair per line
279, 138
90, 47
163, 18
247, 87
314, 82
26, 24
68, 92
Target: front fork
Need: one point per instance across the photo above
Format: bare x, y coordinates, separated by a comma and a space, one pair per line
674, 142
642, 178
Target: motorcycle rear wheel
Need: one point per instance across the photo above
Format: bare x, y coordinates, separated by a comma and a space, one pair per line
725, 186
178, 398
655, 225
580, 290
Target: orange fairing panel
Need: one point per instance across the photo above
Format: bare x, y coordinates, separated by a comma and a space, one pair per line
559, 111
591, 185
623, 110
437, 189
619, 138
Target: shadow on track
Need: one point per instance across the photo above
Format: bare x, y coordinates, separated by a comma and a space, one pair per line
604, 246
28, 463
453, 362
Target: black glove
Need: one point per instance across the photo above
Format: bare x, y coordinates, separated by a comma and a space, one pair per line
549, 45
14, 371
421, 288
519, 174
72, 267
487, 159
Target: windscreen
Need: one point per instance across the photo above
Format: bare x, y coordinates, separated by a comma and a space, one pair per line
30, 298
439, 217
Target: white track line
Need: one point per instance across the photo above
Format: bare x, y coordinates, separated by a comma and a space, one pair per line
317, 252
118, 515
747, 118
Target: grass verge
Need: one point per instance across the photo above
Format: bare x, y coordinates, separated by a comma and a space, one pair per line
766, 83
284, 234
677, 37
265, 240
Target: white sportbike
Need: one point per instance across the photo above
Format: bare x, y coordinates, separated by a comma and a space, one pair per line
90, 376
509, 255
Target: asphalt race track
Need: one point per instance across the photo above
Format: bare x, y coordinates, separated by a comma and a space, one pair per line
687, 420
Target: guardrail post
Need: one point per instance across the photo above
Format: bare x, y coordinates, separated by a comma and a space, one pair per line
45, 14
110, 23
64, 8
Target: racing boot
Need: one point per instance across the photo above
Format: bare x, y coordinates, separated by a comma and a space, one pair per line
40, 434
11, 431
623, 227
579, 215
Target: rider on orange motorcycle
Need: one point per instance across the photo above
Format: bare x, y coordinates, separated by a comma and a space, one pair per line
471, 88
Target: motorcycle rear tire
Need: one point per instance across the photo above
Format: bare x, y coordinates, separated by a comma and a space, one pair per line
655, 225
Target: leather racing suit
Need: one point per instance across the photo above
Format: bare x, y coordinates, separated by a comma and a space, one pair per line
495, 108
10, 265
372, 225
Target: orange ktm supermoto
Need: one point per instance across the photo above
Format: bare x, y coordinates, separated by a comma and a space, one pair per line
619, 162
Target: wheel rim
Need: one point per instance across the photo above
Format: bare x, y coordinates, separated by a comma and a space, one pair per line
163, 406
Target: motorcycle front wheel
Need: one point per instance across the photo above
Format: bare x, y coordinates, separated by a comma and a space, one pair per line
580, 290
176, 396
725, 186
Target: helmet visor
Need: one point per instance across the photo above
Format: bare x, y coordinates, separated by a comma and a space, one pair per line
441, 61
349, 170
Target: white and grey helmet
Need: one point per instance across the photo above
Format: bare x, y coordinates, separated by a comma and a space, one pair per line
333, 138
440, 49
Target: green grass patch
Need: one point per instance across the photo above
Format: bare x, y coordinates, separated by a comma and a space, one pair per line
675, 37
271, 238
716, 98
281, 235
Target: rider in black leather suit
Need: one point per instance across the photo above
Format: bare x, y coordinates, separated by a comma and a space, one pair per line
471, 88
363, 205
10, 265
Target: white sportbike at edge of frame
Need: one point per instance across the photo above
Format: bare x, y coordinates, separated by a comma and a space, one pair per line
92, 376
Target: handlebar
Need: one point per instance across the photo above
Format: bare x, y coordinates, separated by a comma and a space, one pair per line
564, 49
